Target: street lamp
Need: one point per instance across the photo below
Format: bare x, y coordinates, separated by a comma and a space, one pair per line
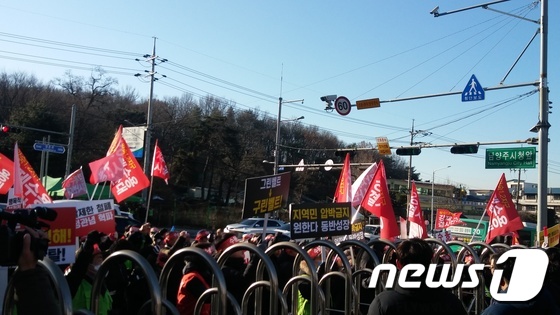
295, 119
432, 208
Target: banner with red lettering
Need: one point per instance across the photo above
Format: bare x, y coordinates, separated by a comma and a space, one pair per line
133, 179
109, 168
503, 216
27, 185
378, 202
343, 191
6, 174
62, 236
75, 184
446, 218
416, 221
159, 168
90, 215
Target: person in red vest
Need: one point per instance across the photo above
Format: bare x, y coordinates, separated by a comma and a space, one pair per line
196, 279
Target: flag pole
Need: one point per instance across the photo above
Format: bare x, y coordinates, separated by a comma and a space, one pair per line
93, 193
149, 198
102, 189
478, 225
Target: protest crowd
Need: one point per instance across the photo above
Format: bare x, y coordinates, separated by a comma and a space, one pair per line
316, 277
157, 270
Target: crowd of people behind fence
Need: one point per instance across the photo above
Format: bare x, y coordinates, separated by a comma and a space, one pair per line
125, 288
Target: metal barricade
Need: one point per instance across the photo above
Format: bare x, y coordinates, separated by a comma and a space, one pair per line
361, 273
291, 285
218, 289
350, 292
57, 278
260, 282
387, 255
157, 303
476, 305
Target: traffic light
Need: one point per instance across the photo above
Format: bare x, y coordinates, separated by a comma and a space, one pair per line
409, 151
9, 129
464, 149
342, 152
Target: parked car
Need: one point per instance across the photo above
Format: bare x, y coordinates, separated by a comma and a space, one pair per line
371, 231
253, 225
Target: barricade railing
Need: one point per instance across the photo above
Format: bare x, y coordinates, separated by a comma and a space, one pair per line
363, 260
476, 305
385, 259
350, 292
291, 286
57, 278
157, 304
271, 282
218, 289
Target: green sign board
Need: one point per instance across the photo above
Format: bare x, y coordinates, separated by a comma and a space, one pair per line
511, 158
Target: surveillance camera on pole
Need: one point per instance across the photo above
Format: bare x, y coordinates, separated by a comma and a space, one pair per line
329, 99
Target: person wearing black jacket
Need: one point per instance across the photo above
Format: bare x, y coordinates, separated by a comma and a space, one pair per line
423, 300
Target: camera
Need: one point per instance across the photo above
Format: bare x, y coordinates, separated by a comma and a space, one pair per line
11, 240
328, 98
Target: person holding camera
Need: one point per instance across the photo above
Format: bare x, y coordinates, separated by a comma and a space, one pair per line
33, 288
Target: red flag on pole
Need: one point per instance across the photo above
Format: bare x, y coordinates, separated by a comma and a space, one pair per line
417, 224
6, 174
343, 191
27, 184
361, 184
159, 168
133, 179
503, 217
75, 184
109, 168
445, 218
378, 202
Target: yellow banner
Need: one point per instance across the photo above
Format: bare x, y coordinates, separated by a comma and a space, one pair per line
553, 236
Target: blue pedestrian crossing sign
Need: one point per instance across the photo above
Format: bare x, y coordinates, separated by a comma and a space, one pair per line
473, 91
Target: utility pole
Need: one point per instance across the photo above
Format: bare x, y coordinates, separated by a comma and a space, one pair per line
542, 125
413, 133
148, 137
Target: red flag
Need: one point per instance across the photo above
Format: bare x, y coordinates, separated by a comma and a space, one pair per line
159, 168
75, 184
503, 217
417, 224
27, 185
361, 184
343, 191
378, 202
109, 168
445, 218
6, 174
133, 179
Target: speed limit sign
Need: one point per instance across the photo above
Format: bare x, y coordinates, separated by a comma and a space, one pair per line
342, 105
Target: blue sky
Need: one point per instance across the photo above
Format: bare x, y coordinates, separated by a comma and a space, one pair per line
252, 52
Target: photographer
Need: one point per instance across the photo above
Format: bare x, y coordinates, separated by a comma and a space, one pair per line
33, 288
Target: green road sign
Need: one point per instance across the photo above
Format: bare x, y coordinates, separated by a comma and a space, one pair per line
511, 158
